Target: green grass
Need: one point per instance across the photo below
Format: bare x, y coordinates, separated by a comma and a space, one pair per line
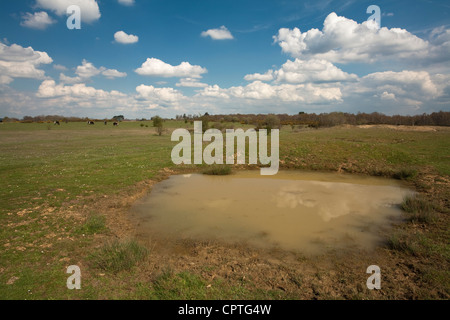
419, 210
188, 286
384, 151
118, 256
94, 224
43, 169
401, 241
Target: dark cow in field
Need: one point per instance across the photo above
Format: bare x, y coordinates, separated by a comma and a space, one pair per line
56, 123
115, 124
106, 123
90, 123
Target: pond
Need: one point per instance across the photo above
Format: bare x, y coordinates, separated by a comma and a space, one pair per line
308, 212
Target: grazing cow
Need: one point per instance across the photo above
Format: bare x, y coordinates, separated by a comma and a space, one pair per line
90, 123
56, 123
106, 123
116, 124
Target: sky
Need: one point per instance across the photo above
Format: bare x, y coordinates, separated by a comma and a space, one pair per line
141, 58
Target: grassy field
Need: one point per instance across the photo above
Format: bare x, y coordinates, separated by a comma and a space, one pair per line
66, 190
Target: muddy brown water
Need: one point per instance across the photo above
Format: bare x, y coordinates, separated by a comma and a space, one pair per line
300, 211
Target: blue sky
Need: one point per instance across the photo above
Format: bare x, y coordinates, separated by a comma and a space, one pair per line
146, 57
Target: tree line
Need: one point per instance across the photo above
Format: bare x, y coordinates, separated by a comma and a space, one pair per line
440, 118
51, 118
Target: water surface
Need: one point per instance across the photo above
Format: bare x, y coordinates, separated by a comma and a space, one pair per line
307, 212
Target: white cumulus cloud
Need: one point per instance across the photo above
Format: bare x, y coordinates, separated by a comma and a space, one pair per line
126, 2
387, 96
38, 20
221, 33
19, 62
49, 89
122, 37
403, 92
304, 71
191, 83
412, 83
343, 40
314, 70
150, 93
113, 73
87, 70
257, 90
158, 68
69, 80
90, 11
59, 67
268, 76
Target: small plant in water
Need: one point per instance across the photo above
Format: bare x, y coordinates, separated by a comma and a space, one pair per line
217, 170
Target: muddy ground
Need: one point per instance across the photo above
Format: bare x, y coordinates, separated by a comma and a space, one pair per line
291, 275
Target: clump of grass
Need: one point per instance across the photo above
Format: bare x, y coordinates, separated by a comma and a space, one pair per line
94, 224
217, 170
397, 242
419, 210
405, 174
184, 285
401, 241
118, 255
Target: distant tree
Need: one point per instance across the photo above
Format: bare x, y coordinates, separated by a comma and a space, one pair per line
205, 122
158, 124
119, 118
272, 122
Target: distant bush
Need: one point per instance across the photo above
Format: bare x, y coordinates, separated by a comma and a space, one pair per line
218, 125
272, 122
158, 124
